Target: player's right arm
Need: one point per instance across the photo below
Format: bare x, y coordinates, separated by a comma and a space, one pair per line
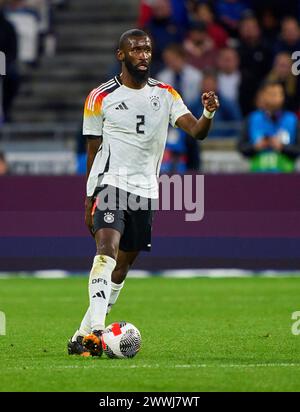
93, 146
92, 130
199, 128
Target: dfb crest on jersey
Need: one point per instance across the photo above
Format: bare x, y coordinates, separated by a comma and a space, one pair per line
155, 103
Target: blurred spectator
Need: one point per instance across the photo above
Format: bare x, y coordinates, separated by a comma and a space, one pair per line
10, 82
269, 21
200, 47
282, 73
229, 110
1, 101
145, 13
271, 138
229, 13
8, 38
204, 14
229, 76
182, 151
255, 61
163, 29
47, 37
279, 8
289, 40
26, 23
175, 154
182, 76
4, 169
178, 9
179, 13
81, 152
259, 99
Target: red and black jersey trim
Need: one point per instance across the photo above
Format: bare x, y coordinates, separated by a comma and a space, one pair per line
152, 83
101, 92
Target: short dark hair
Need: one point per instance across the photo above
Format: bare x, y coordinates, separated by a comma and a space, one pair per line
270, 83
131, 33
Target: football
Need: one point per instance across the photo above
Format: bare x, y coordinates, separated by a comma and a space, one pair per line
121, 340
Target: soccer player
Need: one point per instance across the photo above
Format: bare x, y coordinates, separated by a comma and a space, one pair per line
126, 123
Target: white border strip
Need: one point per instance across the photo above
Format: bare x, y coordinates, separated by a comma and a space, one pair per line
125, 365
176, 273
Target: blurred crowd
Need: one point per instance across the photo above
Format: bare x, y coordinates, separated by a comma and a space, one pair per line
241, 49
233, 47
26, 33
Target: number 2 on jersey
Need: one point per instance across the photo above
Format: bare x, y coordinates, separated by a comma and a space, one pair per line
140, 123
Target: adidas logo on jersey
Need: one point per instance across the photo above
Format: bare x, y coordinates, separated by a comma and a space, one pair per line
121, 106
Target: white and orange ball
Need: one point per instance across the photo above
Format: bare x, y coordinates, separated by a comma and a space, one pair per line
121, 340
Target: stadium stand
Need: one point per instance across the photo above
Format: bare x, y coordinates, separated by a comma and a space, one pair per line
46, 114
86, 40
75, 53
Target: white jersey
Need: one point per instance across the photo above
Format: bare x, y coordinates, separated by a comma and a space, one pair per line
134, 125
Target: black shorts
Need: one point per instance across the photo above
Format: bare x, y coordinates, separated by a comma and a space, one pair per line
120, 212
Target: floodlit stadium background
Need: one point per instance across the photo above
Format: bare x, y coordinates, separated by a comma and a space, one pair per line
60, 50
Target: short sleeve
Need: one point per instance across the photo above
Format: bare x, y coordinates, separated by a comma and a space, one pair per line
178, 108
93, 115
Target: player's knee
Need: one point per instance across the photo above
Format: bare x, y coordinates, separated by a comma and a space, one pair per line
108, 248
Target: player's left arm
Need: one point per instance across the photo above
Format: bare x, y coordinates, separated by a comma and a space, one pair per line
199, 128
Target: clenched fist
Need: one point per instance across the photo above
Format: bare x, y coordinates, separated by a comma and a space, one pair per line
210, 101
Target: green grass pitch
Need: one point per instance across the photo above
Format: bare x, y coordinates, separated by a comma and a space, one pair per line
198, 335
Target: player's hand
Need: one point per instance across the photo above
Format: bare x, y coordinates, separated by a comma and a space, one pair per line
210, 101
88, 214
262, 144
276, 143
